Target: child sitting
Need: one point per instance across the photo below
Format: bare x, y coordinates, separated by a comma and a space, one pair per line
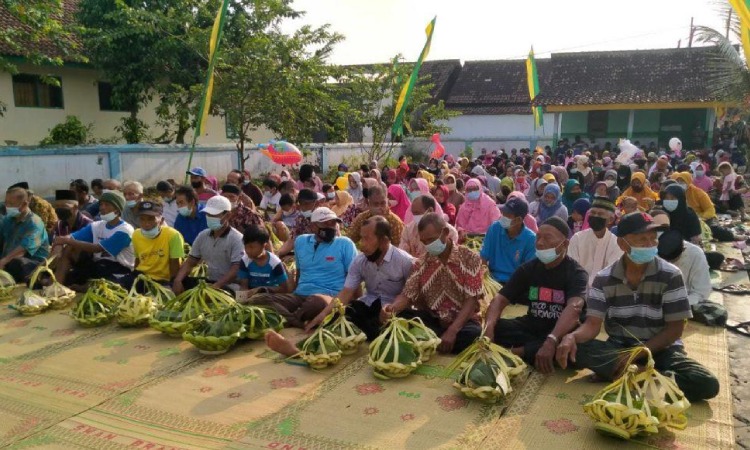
261, 271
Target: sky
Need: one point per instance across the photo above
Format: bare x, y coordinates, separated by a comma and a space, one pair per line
377, 30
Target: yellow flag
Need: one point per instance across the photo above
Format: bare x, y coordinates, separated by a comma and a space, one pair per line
213, 45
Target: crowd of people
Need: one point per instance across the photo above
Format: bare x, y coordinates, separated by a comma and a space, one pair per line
582, 238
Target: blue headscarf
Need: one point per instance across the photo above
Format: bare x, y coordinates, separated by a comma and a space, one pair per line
545, 212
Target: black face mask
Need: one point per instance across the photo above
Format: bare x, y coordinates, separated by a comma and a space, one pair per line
375, 256
327, 234
63, 214
637, 188
597, 223
196, 184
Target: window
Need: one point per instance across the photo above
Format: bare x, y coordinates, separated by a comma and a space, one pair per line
231, 132
31, 91
105, 97
598, 123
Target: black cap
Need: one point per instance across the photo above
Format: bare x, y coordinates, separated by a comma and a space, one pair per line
164, 186
635, 223
231, 189
515, 206
148, 208
22, 185
65, 195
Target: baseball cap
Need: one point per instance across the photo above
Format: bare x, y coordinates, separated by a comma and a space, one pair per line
323, 214
217, 205
148, 208
198, 172
635, 223
515, 206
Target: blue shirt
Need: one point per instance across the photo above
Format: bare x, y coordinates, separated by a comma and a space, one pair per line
190, 227
322, 267
28, 233
271, 274
503, 254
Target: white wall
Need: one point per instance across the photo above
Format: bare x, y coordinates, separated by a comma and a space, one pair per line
47, 173
494, 132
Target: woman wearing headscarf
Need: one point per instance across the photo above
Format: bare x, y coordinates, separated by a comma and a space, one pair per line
697, 199
478, 211
308, 179
561, 175
529, 220
398, 201
355, 186
391, 177
551, 204
572, 192
610, 179
681, 217
639, 190
574, 174
520, 183
624, 175
578, 214
423, 174
442, 194
456, 198
417, 187
344, 207
536, 190
478, 171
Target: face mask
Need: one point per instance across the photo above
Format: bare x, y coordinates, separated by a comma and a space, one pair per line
699, 174
246, 182
285, 178
131, 203
520, 179
214, 223
150, 234
574, 170
196, 184
375, 255
341, 174
597, 169
436, 247
393, 203
597, 223
418, 218
109, 217
637, 188
327, 234
330, 195
505, 222
167, 199
63, 214
12, 212
185, 211
642, 255
306, 214
683, 185
451, 187
473, 195
670, 205
287, 213
658, 234
609, 183
414, 194
546, 256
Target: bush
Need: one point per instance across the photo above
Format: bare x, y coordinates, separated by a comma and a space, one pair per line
468, 153
414, 154
70, 132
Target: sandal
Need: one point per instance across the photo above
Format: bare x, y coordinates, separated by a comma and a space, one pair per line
734, 289
742, 328
732, 265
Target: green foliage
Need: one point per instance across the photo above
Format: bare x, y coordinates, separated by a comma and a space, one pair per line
468, 153
415, 155
132, 129
70, 132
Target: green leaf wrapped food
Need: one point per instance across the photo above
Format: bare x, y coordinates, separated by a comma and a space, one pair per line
486, 370
7, 285
348, 335
111, 292
320, 350
177, 313
135, 310
258, 320
200, 271
31, 303
664, 397
395, 352
57, 295
426, 339
92, 310
160, 294
213, 336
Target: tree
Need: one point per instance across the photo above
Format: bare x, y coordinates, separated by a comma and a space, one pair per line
268, 78
369, 94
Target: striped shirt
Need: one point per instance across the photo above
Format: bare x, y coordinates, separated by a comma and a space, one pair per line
642, 313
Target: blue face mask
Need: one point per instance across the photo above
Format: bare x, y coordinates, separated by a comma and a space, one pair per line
548, 255
642, 255
436, 247
150, 234
131, 203
505, 222
11, 211
214, 223
414, 194
473, 195
670, 205
185, 211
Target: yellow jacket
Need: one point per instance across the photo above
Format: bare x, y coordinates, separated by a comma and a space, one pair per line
696, 198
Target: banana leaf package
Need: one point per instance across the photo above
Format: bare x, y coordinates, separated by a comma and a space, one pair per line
173, 319
110, 291
620, 409
258, 320
213, 336
200, 271
474, 242
320, 350
58, 296
135, 310
664, 397
276, 243
490, 288
487, 370
31, 303
93, 309
159, 294
427, 340
348, 335
7, 285
395, 352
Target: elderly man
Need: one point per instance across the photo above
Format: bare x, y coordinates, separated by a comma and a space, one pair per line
219, 246
133, 193
410, 242
596, 248
444, 288
70, 218
201, 185
87, 204
641, 300
377, 205
553, 285
191, 219
40, 207
23, 237
323, 259
110, 185
102, 249
249, 190
508, 243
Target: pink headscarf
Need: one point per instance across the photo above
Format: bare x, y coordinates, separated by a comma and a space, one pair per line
397, 193
529, 220
475, 216
424, 189
424, 186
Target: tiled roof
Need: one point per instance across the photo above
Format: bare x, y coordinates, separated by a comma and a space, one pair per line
632, 76
443, 74
44, 46
495, 87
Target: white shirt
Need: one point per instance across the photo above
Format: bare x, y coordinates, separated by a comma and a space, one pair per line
270, 200
694, 267
169, 212
592, 253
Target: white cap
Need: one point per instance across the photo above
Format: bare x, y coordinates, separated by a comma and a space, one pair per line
217, 205
323, 214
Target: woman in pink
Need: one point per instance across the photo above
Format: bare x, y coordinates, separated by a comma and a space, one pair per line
441, 197
398, 201
529, 220
417, 188
478, 212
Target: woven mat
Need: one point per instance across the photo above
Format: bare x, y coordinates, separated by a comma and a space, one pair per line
115, 388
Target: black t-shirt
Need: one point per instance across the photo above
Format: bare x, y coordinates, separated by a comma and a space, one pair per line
545, 291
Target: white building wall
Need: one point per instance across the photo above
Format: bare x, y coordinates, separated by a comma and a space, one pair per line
495, 132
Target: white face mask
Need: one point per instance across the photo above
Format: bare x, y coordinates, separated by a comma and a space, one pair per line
609, 183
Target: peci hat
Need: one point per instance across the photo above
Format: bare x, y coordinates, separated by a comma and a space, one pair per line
65, 198
559, 224
230, 189
148, 208
217, 205
323, 214
636, 223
